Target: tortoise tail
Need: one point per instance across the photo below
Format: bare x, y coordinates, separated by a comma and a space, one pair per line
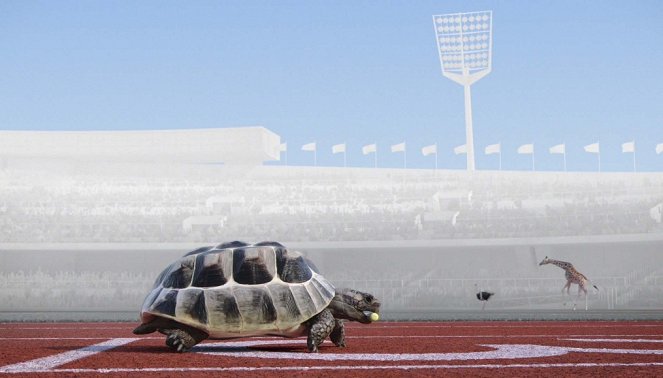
144, 329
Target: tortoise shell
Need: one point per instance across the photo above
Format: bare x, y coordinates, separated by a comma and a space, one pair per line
237, 290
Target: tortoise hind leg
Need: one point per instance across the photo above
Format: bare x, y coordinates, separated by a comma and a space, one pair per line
181, 340
180, 337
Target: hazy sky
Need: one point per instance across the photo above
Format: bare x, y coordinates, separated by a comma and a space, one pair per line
343, 71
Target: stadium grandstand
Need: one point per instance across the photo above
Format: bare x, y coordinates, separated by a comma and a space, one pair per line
110, 209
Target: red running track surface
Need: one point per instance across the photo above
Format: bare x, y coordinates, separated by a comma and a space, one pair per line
382, 349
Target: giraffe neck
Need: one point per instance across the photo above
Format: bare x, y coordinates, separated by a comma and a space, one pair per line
562, 264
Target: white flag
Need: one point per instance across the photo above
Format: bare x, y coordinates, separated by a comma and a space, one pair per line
367, 149
432, 149
656, 212
493, 149
283, 147
398, 147
338, 148
309, 147
558, 149
628, 147
592, 148
659, 148
462, 149
526, 149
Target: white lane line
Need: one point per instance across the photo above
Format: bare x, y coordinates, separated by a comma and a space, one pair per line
616, 340
50, 362
242, 349
53, 338
390, 326
571, 337
63, 328
71, 338
488, 336
354, 326
355, 367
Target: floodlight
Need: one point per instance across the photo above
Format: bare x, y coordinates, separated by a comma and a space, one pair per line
465, 46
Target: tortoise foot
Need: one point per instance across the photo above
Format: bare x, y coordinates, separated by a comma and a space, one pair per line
179, 340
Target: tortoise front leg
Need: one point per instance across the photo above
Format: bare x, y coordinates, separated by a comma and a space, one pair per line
320, 326
337, 335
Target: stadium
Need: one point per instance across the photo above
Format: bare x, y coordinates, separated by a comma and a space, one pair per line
145, 231
86, 229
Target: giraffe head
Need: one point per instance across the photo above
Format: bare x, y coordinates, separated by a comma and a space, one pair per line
545, 261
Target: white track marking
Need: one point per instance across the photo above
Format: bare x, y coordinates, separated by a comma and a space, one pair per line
390, 326
72, 338
50, 362
354, 367
616, 340
488, 336
241, 349
53, 338
62, 328
380, 337
511, 326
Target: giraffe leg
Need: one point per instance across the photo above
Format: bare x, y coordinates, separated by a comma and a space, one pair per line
568, 291
581, 288
566, 287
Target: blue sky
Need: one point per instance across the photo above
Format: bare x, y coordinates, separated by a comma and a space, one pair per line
343, 71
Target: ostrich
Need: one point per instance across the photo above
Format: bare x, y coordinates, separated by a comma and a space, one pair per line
483, 296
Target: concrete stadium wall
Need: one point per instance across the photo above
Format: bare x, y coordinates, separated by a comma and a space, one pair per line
421, 278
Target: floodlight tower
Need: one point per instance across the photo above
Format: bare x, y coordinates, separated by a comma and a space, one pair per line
465, 46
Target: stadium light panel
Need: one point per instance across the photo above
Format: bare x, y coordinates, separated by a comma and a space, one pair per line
465, 48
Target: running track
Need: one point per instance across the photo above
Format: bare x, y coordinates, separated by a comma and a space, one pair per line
382, 349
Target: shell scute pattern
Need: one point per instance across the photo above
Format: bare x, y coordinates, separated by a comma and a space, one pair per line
223, 309
284, 301
211, 271
237, 289
179, 273
253, 266
165, 302
191, 303
257, 299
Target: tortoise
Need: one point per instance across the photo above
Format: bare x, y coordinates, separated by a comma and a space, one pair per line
238, 289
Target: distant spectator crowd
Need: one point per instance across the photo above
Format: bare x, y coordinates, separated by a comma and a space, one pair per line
323, 204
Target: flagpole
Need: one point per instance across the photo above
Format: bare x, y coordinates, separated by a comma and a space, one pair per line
564, 156
500, 158
532, 160
634, 159
405, 158
598, 144
315, 154
376, 155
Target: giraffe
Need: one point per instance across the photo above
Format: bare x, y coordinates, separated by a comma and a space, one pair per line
572, 277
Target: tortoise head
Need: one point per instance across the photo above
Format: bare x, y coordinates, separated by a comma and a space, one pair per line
350, 304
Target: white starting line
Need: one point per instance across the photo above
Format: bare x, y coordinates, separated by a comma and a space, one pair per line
348, 367
50, 362
243, 349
